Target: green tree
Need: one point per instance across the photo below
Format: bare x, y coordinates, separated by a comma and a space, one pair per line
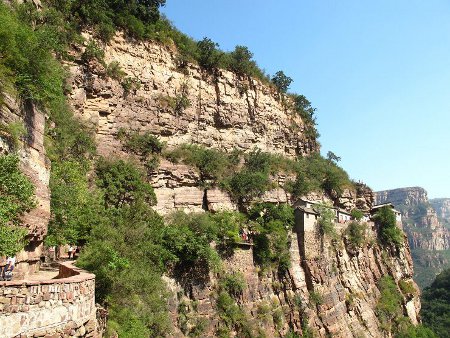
122, 183
281, 81
12, 239
388, 231
16, 191
271, 242
303, 107
326, 219
76, 208
209, 55
388, 308
127, 256
16, 198
241, 61
246, 185
356, 234
332, 157
188, 238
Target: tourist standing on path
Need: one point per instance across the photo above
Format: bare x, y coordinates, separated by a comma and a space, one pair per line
70, 251
6, 274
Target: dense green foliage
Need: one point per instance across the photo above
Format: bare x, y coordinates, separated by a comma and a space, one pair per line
142, 144
281, 81
12, 240
137, 17
233, 283
16, 191
122, 184
315, 173
389, 308
388, 232
75, 207
213, 165
272, 242
125, 252
250, 179
253, 178
26, 62
389, 311
12, 132
357, 214
16, 198
302, 107
326, 219
209, 55
436, 305
419, 331
356, 234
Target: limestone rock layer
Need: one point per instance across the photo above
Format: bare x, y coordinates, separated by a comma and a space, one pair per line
182, 105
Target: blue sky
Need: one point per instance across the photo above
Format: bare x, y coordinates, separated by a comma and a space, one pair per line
378, 73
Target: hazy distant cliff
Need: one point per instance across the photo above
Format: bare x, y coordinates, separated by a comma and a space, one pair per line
442, 208
427, 236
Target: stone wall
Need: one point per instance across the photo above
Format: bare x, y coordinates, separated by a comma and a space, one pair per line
60, 307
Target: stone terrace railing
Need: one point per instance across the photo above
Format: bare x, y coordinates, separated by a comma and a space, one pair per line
60, 307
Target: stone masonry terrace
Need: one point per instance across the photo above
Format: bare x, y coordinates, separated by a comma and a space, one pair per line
41, 306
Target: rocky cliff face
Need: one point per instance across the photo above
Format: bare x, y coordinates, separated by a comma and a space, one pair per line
186, 105
182, 105
442, 208
413, 196
36, 166
330, 288
428, 237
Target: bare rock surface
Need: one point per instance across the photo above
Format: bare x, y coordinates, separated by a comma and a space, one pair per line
223, 111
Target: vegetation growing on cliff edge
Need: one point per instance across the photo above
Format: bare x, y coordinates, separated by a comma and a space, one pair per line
388, 231
247, 176
16, 198
271, 239
390, 313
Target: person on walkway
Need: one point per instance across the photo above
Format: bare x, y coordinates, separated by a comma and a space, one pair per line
7, 272
70, 251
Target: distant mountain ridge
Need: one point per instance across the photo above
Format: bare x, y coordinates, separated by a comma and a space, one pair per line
442, 208
424, 222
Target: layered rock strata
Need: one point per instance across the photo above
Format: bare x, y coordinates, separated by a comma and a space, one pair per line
182, 104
